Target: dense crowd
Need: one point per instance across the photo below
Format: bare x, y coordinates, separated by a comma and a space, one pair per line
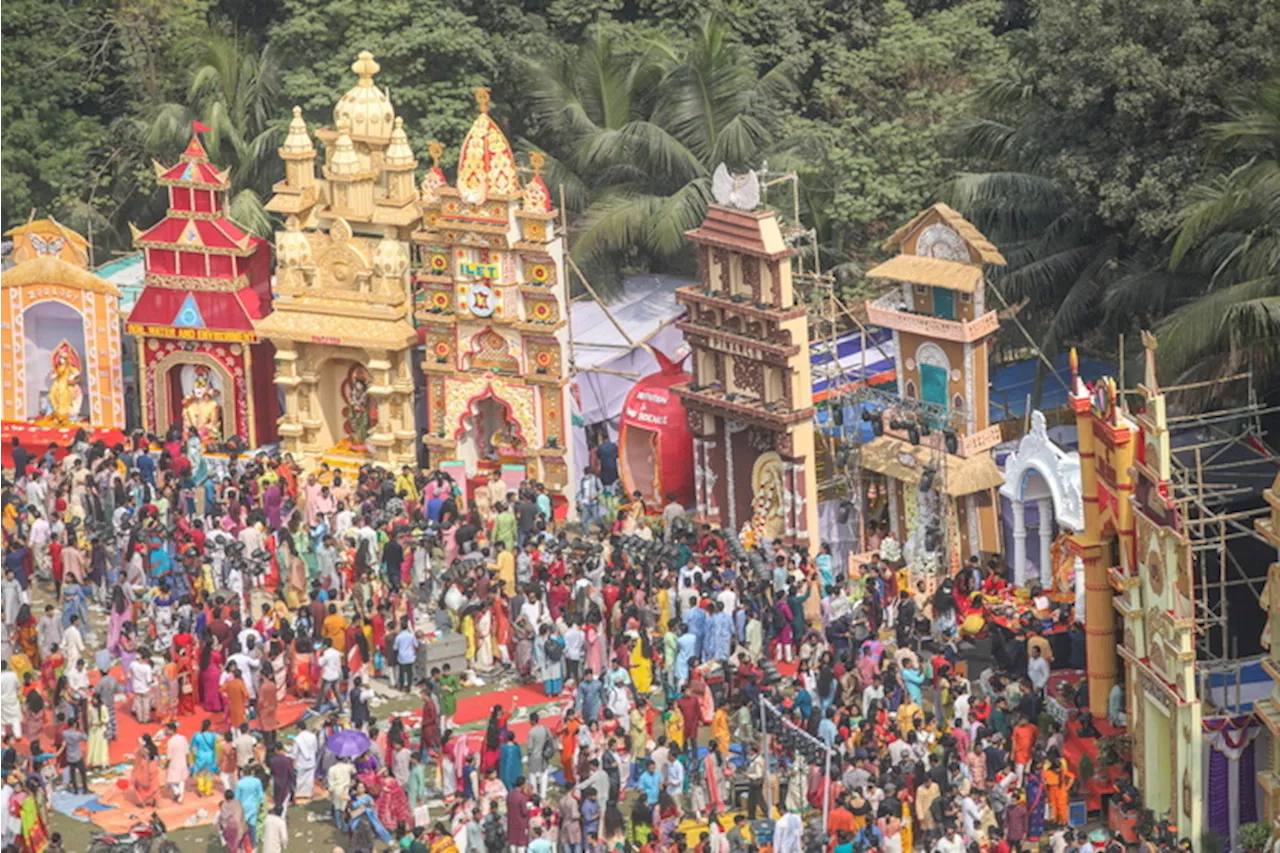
683, 673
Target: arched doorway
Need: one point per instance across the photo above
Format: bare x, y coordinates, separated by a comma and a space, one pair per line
1033, 510
45, 325
488, 432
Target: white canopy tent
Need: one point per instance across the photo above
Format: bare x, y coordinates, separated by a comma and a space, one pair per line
606, 364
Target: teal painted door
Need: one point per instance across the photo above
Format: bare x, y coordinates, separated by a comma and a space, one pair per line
933, 384
944, 303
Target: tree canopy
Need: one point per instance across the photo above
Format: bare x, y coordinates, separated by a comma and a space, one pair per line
1121, 154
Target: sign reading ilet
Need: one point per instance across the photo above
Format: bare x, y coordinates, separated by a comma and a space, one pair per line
479, 270
189, 334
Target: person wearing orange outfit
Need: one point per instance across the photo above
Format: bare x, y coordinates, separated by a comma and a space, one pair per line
1058, 781
1023, 739
237, 696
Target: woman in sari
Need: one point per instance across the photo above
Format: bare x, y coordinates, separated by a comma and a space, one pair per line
145, 777
296, 588
25, 808
362, 820
641, 664
714, 769
211, 677
121, 612
51, 668
550, 671
675, 725
230, 824
595, 652
98, 754
26, 654
493, 739
128, 653
667, 818
392, 803
524, 648
1036, 794
35, 714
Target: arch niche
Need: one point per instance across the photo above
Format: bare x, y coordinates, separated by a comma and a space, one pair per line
1042, 473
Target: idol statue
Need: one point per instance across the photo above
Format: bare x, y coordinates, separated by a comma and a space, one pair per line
201, 409
65, 395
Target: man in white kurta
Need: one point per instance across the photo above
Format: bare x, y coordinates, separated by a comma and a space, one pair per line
788, 834
10, 706
177, 772
306, 749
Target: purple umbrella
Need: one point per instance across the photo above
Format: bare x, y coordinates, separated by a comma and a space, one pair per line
349, 743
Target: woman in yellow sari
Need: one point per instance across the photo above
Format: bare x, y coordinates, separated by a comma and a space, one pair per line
720, 729
675, 725
468, 630
641, 668
664, 609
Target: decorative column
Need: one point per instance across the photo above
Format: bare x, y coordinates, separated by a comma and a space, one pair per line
699, 476
894, 523
1045, 507
1019, 544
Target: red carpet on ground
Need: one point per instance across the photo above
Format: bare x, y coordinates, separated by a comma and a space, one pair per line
130, 731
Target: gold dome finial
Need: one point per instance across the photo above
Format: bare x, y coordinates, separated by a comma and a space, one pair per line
298, 140
537, 160
482, 98
436, 151
365, 67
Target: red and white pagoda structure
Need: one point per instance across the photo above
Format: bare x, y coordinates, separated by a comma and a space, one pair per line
206, 283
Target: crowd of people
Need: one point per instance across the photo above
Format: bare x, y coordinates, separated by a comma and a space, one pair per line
663, 664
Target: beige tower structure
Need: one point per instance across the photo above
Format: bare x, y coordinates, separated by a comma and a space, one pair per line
341, 325
749, 402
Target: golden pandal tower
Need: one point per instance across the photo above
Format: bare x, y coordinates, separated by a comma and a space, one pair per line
341, 323
491, 312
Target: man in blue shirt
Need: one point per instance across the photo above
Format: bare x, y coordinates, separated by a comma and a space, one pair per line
590, 816
827, 728
589, 697
650, 783
406, 653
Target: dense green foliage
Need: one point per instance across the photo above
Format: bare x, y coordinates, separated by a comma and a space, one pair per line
1123, 155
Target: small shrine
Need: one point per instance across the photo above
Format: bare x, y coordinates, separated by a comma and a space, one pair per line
933, 449
341, 325
207, 282
749, 398
60, 336
490, 306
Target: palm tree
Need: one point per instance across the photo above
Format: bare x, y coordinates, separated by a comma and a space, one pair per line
1229, 238
635, 137
1077, 274
235, 91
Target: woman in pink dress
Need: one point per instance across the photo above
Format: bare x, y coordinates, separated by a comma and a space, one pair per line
121, 612
211, 678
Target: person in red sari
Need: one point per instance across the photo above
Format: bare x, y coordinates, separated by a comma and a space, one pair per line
493, 739
184, 657
145, 776
51, 669
268, 704
392, 804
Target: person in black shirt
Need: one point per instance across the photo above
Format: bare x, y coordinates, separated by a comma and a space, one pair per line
392, 558
21, 458
526, 512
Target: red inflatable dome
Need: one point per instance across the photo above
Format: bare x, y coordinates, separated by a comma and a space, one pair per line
655, 447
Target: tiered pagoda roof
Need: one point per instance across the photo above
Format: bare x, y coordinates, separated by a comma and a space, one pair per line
203, 271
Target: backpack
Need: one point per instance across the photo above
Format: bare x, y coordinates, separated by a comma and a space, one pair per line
495, 833
549, 747
553, 650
